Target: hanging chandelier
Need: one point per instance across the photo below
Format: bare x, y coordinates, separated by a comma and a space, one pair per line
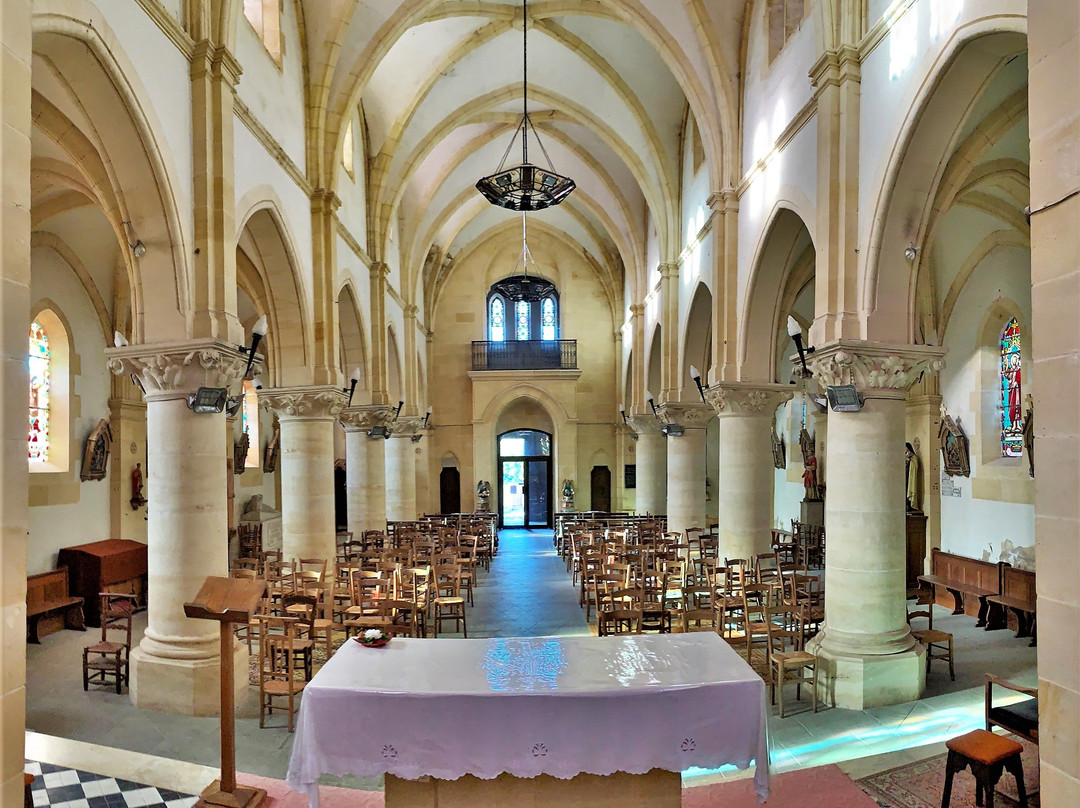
525, 186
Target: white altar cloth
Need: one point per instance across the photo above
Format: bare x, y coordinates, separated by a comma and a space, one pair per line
528, 706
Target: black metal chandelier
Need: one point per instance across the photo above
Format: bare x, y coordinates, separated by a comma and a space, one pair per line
526, 186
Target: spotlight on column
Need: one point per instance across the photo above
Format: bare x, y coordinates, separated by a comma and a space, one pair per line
695, 374
208, 399
795, 332
119, 340
138, 249
233, 405
378, 431
352, 385
910, 252
673, 430
844, 398
258, 331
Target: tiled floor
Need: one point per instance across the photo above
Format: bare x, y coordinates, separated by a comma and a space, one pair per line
60, 787
527, 593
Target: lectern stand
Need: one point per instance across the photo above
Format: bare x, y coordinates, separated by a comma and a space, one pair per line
228, 601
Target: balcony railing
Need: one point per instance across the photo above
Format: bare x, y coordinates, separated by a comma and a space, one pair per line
533, 354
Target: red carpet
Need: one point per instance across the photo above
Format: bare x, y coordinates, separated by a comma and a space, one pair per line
821, 787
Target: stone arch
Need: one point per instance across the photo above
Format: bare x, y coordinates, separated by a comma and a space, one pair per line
268, 271
697, 339
115, 147
354, 352
42, 239
783, 242
916, 163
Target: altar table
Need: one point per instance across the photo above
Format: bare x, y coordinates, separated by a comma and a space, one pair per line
529, 706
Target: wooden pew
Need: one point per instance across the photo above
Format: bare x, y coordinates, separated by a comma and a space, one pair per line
967, 579
1017, 594
49, 604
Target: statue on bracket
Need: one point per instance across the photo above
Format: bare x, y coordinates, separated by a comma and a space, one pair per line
96, 452
954, 446
137, 498
568, 495
240, 452
810, 474
911, 478
483, 494
270, 456
1029, 435
779, 451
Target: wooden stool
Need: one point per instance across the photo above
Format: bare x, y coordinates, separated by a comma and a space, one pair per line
987, 754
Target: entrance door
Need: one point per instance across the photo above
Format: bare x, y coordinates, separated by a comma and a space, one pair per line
600, 480
525, 479
449, 490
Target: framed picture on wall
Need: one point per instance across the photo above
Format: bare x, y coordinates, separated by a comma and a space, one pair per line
630, 475
955, 457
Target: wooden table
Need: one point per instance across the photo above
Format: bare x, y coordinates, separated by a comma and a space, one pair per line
109, 565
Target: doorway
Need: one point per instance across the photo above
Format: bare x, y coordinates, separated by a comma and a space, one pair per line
525, 479
600, 485
449, 490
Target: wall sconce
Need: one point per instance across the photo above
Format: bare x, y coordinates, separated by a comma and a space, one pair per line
625, 418
119, 340
427, 417
911, 252
138, 249
352, 385
258, 331
795, 332
397, 411
695, 374
652, 405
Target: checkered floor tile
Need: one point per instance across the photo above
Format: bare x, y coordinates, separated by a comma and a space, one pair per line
57, 787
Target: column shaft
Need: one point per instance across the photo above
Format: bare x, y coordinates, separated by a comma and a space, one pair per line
307, 487
400, 479
745, 485
365, 482
686, 480
651, 474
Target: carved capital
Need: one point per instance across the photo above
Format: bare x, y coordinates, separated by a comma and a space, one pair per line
637, 309
175, 369
645, 424
324, 201
322, 401
669, 269
406, 426
876, 369
691, 416
361, 419
378, 270
747, 398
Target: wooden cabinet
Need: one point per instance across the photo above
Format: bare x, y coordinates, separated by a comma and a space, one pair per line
916, 547
113, 565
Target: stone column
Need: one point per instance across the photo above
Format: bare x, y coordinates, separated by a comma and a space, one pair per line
866, 647
306, 416
686, 465
15, 42
745, 482
365, 467
401, 470
651, 491
176, 666
1054, 99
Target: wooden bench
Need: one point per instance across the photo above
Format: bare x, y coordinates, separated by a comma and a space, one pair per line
49, 607
1017, 594
970, 577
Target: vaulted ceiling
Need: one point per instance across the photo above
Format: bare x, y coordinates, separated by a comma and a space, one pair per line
439, 86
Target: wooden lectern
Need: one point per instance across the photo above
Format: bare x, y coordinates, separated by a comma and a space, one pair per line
228, 601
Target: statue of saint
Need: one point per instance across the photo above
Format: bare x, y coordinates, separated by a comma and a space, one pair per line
809, 479
137, 498
1029, 436
911, 485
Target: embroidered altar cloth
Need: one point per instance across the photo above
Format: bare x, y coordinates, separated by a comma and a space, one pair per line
527, 706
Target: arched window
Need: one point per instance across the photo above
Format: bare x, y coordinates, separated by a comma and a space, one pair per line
40, 384
1012, 423
523, 308
497, 320
249, 423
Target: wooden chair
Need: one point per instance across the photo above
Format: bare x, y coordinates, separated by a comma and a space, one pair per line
277, 676
251, 630
301, 608
925, 598
1020, 718
110, 657
697, 607
939, 645
788, 662
755, 617
449, 604
625, 617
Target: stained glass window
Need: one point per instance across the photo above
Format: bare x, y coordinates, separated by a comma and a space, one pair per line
522, 319
547, 319
249, 422
497, 320
38, 436
1012, 423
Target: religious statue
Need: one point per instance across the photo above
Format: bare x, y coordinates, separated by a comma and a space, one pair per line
270, 456
809, 479
483, 494
568, 495
911, 485
137, 498
240, 453
1029, 436
96, 452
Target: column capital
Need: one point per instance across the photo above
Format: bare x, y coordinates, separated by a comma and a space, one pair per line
378, 269
217, 60
317, 402
723, 201
835, 67
691, 416
410, 310
876, 369
669, 269
637, 309
645, 423
361, 419
174, 369
325, 201
747, 398
406, 426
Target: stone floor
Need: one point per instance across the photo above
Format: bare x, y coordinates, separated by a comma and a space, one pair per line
526, 593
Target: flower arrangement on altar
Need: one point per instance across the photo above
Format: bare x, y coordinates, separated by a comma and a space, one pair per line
374, 638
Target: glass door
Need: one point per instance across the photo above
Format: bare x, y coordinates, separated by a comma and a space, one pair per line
536, 503
512, 501
525, 479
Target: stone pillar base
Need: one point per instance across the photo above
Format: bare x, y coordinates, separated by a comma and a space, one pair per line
862, 681
183, 686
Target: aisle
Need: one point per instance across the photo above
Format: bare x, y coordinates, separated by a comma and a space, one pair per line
527, 593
